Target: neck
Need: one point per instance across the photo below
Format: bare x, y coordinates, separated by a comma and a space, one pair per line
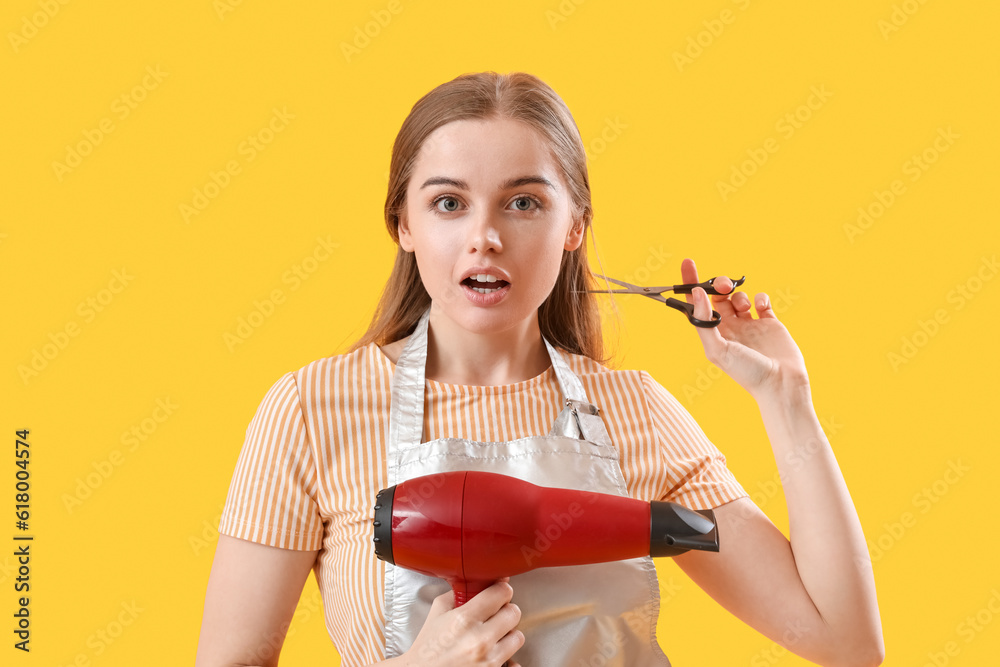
458, 356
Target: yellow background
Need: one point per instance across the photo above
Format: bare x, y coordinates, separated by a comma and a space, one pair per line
662, 132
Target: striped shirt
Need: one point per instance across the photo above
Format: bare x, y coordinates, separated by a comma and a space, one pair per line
315, 456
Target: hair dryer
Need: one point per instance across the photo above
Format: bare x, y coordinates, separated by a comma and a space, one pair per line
471, 528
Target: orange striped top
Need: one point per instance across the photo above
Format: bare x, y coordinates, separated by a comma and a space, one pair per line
314, 458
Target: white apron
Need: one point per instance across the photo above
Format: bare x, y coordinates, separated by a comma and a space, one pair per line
574, 616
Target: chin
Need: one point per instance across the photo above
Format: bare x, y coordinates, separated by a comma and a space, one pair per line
479, 320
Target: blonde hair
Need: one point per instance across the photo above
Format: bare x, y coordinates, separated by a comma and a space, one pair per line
569, 319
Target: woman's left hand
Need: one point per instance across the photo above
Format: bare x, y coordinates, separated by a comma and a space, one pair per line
758, 353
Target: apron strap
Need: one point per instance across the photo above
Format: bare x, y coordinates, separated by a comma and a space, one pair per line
406, 408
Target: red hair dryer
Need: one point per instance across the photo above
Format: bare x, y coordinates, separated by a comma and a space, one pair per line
471, 528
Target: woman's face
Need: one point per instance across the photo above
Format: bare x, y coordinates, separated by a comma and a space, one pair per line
487, 198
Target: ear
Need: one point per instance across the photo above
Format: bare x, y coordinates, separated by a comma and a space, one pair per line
403, 231
575, 236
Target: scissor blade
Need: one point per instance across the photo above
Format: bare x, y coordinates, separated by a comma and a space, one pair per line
617, 282
632, 289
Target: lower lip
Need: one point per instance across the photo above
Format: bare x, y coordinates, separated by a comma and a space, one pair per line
481, 299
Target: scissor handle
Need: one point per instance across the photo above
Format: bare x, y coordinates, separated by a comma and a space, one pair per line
688, 309
707, 286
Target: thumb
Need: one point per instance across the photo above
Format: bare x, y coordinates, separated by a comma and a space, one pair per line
442, 604
711, 339
702, 306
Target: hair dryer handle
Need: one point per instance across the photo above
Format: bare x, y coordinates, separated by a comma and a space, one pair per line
466, 590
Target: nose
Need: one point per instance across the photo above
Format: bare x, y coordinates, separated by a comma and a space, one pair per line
484, 232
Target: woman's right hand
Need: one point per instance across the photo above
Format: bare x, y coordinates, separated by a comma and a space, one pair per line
481, 633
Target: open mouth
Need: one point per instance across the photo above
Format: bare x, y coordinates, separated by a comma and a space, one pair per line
485, 284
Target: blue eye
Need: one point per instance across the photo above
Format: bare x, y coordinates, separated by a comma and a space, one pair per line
528, 202
451, 204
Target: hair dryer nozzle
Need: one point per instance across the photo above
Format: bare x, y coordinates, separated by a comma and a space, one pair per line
383, 524
675, 529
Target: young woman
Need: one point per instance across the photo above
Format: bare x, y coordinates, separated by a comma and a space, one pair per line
482, 344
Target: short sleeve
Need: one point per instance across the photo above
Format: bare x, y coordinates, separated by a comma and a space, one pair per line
696, 472
272, 495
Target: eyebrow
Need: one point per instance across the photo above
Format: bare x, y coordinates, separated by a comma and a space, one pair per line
511, 183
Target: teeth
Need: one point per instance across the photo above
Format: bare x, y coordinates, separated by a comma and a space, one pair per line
483, 278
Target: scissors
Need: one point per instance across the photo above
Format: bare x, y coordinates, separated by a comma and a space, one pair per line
656, 293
